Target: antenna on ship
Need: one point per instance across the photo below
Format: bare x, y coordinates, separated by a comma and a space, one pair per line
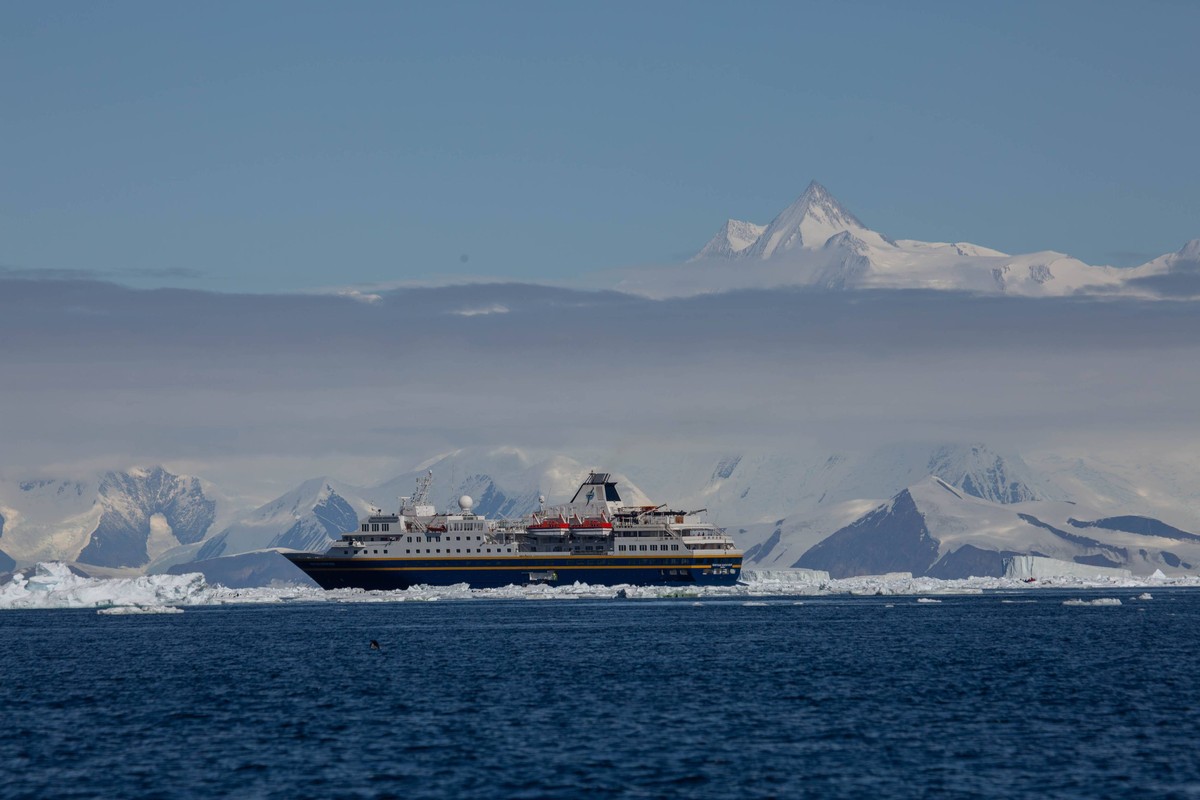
421, 496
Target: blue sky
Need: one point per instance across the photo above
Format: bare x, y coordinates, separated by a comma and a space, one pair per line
287, 146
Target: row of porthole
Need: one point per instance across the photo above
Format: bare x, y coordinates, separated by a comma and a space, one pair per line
409, 552
456, 538
643, 547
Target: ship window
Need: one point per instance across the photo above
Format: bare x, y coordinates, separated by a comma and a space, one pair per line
374, 526
346, 552
641, 547
410, 538
385, 552
386, 527
620, 547
365, 527
408, 551
458, 538
458, 551
674, 547
438, 550
653, 547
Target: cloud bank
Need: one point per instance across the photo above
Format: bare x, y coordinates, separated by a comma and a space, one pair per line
91, 372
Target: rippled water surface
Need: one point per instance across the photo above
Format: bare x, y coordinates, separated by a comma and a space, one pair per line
834, 697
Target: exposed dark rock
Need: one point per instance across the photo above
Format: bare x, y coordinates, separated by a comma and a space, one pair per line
725, 467
982, 473
331, 517
892, 538
1117, 553
129, 500
1144, 526
761, 550
214, 547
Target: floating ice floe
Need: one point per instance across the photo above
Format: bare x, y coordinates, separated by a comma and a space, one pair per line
927, 600
1099, 601
54, 585
123, 610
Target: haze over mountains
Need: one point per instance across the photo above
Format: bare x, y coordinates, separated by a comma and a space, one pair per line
940, 510
784, 392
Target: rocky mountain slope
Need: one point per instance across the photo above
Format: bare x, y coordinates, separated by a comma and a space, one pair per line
119, 519
932, 529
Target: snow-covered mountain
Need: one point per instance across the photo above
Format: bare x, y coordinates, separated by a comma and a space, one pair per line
1175, 275
132, 503
120, 519
933, 529
952, 507
758, 486
7, 562
808, 224
733, 238
503, 482
308, 517
817, 242
966, 494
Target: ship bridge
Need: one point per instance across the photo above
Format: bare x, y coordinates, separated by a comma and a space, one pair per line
599, 487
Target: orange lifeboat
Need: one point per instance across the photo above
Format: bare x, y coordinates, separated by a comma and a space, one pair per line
592, 524
548, 525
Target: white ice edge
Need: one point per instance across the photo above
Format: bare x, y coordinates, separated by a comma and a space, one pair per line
53, 585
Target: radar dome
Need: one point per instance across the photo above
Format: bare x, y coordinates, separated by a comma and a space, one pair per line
465, 502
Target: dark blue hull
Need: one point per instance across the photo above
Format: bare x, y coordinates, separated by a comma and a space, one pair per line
490, 573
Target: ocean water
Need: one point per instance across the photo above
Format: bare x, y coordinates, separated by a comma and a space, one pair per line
998, 695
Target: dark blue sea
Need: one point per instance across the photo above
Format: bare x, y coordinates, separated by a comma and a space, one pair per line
834, 697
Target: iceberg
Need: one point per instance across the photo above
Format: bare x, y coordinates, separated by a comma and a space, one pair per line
1041, 568
54, 585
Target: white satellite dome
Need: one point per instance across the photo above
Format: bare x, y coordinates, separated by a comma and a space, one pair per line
465, 502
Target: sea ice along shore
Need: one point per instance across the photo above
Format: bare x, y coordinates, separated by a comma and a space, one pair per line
53, 585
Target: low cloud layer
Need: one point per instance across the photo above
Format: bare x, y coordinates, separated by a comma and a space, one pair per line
92, 373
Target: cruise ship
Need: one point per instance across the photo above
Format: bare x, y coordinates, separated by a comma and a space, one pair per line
595, 539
